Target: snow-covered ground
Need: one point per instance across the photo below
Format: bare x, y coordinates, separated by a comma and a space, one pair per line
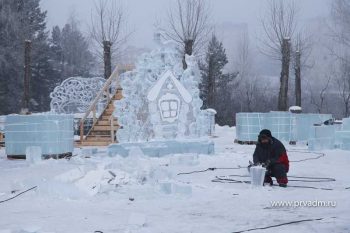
96, 193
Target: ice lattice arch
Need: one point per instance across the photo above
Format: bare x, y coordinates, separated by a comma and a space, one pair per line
75, 94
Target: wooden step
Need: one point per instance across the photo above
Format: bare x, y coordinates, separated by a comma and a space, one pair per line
105, 117
100, 138
100, 133
95, 143
118, 96
106, 122
108, 112
111, 106
102, 128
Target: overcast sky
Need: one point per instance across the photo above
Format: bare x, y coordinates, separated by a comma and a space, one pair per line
143, 13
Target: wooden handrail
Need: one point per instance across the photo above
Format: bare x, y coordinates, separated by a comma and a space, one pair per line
92, 108
111, 119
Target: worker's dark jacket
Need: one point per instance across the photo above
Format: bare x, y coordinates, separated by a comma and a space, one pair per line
275, 152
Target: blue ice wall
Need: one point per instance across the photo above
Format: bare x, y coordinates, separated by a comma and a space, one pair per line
248, 125
283, 125
53, 133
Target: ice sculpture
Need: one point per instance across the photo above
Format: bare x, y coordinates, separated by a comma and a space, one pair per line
75, 94
161, 100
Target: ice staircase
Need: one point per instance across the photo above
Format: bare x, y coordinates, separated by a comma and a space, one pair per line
104, 127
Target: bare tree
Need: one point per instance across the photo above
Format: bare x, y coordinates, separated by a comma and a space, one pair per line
341, 49
249, 86
319, 100
247, 81
188, 25
108, 30
341, 22
301, 54
343, 82
279, 26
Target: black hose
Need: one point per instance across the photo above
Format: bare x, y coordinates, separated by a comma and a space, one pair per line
240, 167
233, 181
210, 169
303, 178
281, 224
320, 155
192, 172
18, 194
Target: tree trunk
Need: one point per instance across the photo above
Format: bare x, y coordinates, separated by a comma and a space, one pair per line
211, 85
107, 59
27, 75
283, 93
188, 51
298, 79
211, 94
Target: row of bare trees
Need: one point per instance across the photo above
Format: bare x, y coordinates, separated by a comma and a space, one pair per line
284, 41
188, 23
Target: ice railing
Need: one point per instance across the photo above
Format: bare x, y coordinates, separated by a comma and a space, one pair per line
109, 89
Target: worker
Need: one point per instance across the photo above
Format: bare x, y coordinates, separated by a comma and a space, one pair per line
271, 153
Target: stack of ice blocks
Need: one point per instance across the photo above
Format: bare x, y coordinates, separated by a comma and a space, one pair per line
322, 137
342, 137
305, 122
53, 133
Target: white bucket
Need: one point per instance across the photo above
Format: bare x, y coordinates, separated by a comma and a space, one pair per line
257, 175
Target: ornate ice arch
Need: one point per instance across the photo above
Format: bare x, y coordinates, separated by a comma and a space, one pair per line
75, 94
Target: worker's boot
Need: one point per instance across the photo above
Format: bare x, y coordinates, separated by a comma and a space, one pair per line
268, 181
282, 182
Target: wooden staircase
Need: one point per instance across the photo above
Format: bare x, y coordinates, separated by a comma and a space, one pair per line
102, 132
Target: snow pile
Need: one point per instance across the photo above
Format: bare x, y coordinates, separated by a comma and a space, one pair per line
134, 173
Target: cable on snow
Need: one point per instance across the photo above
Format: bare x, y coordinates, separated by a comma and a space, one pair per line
281, 224
19, 194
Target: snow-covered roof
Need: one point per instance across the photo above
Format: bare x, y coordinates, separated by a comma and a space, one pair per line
211, 110
295, 108
155, 90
